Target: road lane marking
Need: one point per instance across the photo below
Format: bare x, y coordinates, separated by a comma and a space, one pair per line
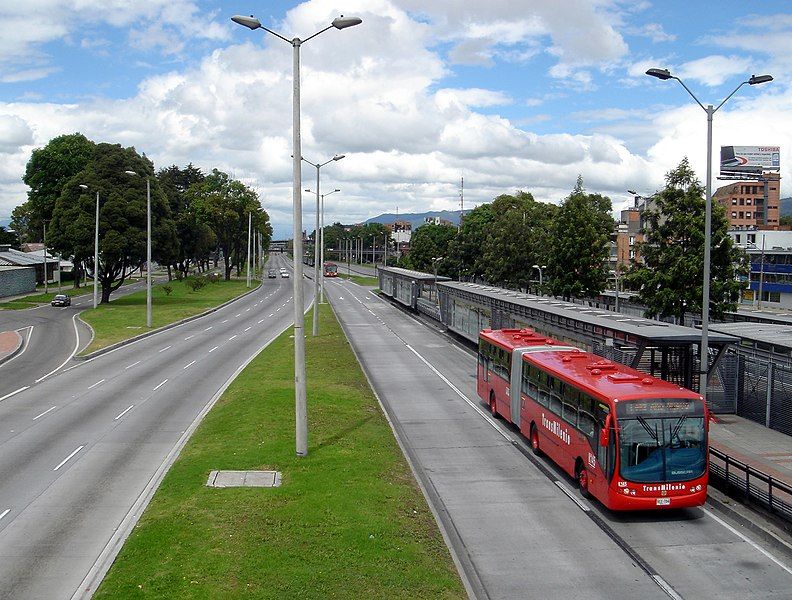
247, 310
163, 350
22, 389
132, 365
25, 342
5, 512
187, 366
232, 337
213, 349
125, 411
248, 328
272, 315
745, 539
189, 337
226, 321
571, 495
159, 385
239, 315
65, 460
44, 413
208, 328
73, 352
261, 321
95, 384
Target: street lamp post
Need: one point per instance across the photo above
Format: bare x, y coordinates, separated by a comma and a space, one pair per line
541, 269
96, 250
322, 243
664, 74
46, 271
148, 248
301, 410
317, 270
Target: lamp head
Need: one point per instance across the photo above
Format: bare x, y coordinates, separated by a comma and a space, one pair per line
339, 156
250, 22
336, 190
757, 79
536, 267
659, 73
130, 172
83, 186
343, 22
633, 192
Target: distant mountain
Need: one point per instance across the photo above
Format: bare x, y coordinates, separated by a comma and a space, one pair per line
785, 206
417, 219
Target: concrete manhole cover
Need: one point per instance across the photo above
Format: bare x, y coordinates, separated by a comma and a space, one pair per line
225, 479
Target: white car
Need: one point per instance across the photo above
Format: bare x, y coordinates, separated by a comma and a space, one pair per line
285, 274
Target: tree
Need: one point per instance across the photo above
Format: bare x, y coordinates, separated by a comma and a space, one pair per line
122, 216
468, 247
785, 221
429, 242
579, 247
224, 204
9, 237
670, 277
46, 173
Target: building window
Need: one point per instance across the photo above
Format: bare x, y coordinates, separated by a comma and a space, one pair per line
632, 240
748, 202
632, 254
742, 201
748, 215
742, 215
751, 238
734, 201
734, 215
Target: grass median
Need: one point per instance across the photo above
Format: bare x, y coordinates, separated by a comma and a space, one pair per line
348, 522
361, 279
45, 298
125, 317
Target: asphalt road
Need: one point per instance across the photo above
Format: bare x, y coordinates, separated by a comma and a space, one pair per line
80, 451
51, 337
516, 524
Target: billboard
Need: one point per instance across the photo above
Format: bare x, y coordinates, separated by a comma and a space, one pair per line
749, 159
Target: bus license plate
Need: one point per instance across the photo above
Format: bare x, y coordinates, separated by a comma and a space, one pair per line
663, 501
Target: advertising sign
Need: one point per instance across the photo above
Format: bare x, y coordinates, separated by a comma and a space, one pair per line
750, 159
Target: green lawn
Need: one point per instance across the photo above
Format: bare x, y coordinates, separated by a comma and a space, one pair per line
348, 522
125, 317
360, 279
67, 287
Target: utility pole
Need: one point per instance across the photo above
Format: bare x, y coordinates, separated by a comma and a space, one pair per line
250, 225
46, 274
461, 203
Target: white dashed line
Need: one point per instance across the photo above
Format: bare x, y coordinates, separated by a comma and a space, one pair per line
132, 365
248, 328
65, 460
213, 349
187, 366
163, 350
208, 328
159, 385
22, 389
44, 413
239, 315
95, 384
232, 337
247, 310
189, 337
5, 512
261, 321
126, 410
272, 315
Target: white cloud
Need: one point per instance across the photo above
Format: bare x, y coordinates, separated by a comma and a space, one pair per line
713, 70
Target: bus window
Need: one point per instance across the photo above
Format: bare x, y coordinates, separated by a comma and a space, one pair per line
555, 403
570, 406
586, 421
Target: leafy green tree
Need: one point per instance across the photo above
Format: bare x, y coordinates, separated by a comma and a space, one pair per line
579, 247
785, 221
46, 173
122, 216
429, 242
468, 247
669, 278
9, 237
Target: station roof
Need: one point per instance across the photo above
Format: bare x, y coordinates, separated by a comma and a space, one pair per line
637, 327
410, 274
767, 333
15, 257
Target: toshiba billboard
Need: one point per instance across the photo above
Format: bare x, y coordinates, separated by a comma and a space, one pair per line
749, 159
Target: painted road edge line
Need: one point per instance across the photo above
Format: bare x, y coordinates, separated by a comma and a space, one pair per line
44, 413
22, 389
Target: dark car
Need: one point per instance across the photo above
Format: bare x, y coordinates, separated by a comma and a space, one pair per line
61, 300
272, 274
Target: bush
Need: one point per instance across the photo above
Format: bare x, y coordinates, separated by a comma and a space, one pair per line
195, 283
167, 289
213, 277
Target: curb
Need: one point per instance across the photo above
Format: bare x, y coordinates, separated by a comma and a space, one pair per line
13, 352
132, 340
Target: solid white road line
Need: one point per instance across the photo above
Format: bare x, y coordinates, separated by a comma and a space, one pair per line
25, 343
571, 495
232, 337
44, 413
65, 460
131, 406
5, 512
22, 389
745, 539
159, 385
213, 349
163, 350
95, 384
187, 366
208, 328
132, 365
189, 337
74, 351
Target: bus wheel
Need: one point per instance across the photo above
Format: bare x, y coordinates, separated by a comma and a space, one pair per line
583, 482
535, 441
493, 405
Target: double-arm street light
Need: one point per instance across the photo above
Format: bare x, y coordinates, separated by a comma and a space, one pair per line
541, 269
301, 425
664, 75
321, 241
317, 270
148, 247
96, 251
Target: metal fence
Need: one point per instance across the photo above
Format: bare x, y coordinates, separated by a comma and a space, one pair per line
764, 393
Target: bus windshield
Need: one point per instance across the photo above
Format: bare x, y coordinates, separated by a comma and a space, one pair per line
664, 444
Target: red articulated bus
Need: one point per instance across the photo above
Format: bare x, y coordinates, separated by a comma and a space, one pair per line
630, 440
330, 269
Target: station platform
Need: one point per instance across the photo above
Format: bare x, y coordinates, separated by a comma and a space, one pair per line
762, 448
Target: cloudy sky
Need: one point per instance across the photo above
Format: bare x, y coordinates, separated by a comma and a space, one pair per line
507, 94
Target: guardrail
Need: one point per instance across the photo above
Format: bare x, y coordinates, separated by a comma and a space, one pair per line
742, 479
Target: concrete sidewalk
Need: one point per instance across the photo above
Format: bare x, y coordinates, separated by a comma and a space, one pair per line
762, 448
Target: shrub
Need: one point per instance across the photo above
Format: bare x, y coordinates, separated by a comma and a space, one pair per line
167, 289
195, 283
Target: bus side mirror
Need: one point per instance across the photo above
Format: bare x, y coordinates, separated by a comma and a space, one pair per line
605, 432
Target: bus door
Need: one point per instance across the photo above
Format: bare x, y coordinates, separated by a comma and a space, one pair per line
606, 455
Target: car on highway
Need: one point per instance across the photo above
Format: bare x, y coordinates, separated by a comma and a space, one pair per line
61, 300
272, 274
285, 274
